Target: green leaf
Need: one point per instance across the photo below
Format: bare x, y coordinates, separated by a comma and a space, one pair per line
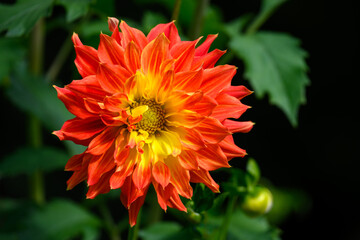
75, 9
253, 169
60, 220
35, 96
28, 160
19, 18
160, 231
275, 66
11, 52
242, 227
268, 6
203, 198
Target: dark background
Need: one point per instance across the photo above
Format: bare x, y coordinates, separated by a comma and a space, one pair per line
317, 157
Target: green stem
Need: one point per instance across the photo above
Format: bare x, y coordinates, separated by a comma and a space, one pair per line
36, 182
176, 10
111, 227
260, 19
195, 29
133, 231
226, 222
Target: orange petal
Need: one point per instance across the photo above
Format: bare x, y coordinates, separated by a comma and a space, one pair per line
75, 163
235, 126
188, 159
132, 57
73, 103
237, 91
99, 165
101, 187
135, 208
204, 47
184, 118
87, 60
203, 176
170, 31
228, 107
179, 177
81, 175
212, 130
189, 81
212, 158
80, 131
154, 54
103, 141
230, 149
112, 77
183, 52
217, 78
208, 60
166, 86
125, 170
113, 27
110, 51
129, 193
191, 138
132, 34
204, 107
142, 172
161, 173
88, 87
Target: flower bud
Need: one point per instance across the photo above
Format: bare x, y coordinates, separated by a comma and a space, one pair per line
257, 202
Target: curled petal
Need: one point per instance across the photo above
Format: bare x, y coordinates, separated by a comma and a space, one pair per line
88, 87
237, 91
99, 165
212, 157
235, 126
230, 149
110, 51
101, 187
203, 176
204, 47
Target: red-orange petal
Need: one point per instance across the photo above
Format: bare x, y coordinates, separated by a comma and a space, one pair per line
237, 91
188, 159
204, 47
183, 52
170, 31
212, 130
154, 54
73, 103
132, 57
87, 60
189, 81
101, 187
208, 60
203, 176
99, 165
135, 208
129, 192
80, 131
112, 77
179, 177
228, 107
161, 173
230, 149
75, 162
132, 34
103, 141
236, 126
110, 51
88, 87
212, 157
217, 78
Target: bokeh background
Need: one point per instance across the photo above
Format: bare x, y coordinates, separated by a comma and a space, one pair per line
313, 167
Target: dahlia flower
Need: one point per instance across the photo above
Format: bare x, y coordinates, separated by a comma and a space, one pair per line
152, 110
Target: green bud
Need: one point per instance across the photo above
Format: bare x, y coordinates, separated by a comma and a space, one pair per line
257, 202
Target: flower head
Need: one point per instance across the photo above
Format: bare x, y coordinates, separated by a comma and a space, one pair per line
151, 110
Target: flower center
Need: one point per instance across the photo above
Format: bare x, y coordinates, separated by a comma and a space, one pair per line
153, 119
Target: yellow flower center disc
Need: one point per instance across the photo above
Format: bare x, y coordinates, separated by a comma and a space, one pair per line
153, 119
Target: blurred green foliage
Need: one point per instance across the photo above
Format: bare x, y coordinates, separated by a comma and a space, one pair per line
274, 66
